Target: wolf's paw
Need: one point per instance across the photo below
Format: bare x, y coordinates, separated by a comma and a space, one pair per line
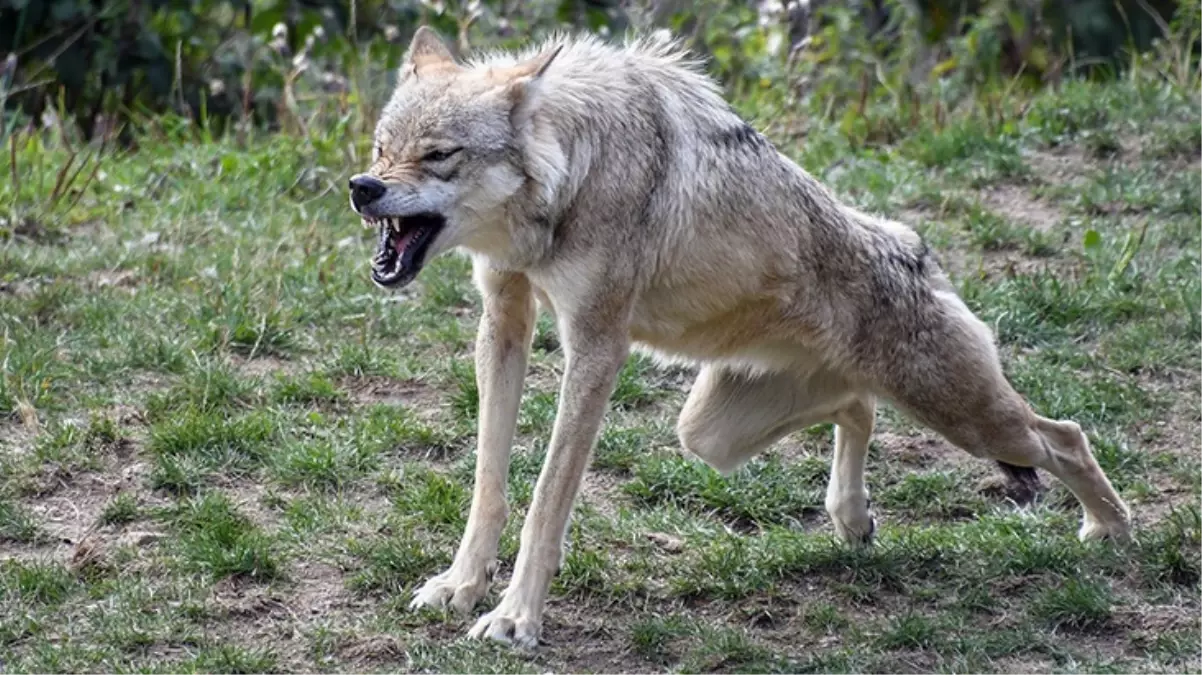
1118, 531
853, 522
454, 589
509, 625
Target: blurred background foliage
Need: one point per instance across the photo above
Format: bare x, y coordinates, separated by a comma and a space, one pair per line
110, 67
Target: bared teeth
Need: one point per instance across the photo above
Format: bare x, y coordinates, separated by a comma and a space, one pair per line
393, 224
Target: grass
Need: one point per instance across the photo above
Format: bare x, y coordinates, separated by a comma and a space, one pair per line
223, 450
218, 540
16, 523
1077, 604
765, 492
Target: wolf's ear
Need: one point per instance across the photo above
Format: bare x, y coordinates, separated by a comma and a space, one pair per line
520, 76
533, 68
426, 50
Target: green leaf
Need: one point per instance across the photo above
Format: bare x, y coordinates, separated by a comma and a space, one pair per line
1092, 239
722, 54
263, 21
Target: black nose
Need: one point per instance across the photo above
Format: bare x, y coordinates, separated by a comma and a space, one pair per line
365, 190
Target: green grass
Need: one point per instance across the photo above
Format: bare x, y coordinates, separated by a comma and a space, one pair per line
1077, 604
393, 563
16, 523
215, 538
35, 584
120, 510
263, 454
770, 491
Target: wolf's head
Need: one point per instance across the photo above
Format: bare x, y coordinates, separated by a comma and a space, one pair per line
446, 158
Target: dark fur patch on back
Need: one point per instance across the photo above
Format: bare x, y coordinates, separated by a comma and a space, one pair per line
914, 263
898, 283
741, 136
933, 266
899, 275
661, 158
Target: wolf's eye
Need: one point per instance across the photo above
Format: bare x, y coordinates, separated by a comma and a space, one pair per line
439, 155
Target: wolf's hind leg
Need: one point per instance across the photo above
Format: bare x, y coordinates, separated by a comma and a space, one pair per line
955, 385
1066, 454
731, 416
1013, 434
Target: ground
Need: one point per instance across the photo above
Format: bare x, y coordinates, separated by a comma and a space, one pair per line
222, 449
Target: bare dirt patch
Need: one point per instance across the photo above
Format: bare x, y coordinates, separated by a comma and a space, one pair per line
67, 513
252, 498
376, 389
320, 590
1179, 430
15, 435
1137, 146
262, 366
115, 278
1016, 203
259, 617
376, 650
1007, 264
919, 448
590, 641
1061, 165
1177, 433
602, 491
283, 616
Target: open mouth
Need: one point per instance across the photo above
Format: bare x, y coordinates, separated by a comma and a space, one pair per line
402, 246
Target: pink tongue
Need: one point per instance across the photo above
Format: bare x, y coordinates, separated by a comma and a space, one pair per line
400, 244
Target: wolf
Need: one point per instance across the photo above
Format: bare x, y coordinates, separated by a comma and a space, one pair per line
612, 185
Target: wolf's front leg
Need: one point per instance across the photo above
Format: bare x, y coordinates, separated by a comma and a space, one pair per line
502, 349
593, 362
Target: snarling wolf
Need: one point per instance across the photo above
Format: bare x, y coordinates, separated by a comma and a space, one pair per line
614, 186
